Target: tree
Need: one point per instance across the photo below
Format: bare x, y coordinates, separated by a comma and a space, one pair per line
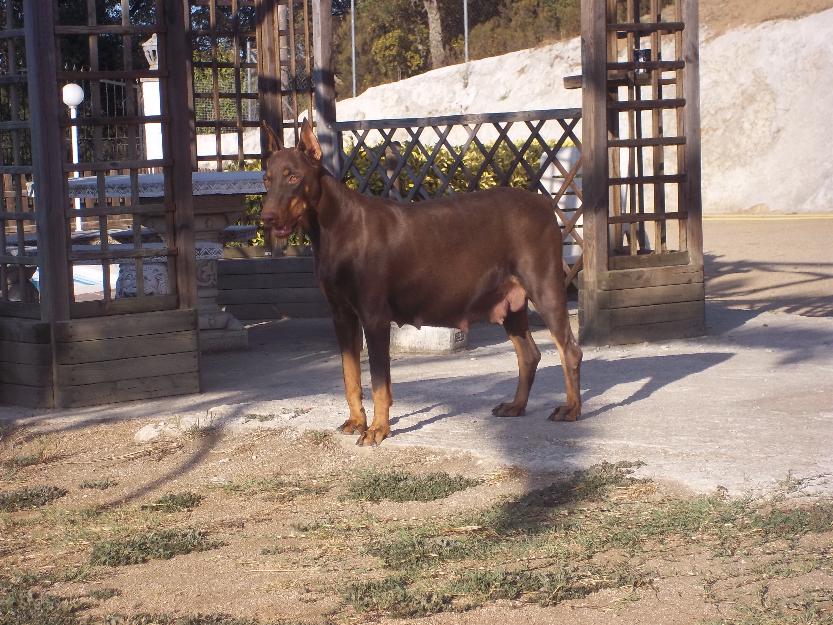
435, 34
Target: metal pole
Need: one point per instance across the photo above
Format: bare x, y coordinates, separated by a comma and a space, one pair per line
73, 113
353, 41
466, 28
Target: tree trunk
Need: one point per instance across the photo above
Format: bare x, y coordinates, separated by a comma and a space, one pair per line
435, 34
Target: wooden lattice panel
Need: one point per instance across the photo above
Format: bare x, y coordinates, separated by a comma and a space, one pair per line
251, 63
647, 131
99, 44
18, 239
417, 159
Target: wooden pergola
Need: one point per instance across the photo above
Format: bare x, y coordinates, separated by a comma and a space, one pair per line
630, 205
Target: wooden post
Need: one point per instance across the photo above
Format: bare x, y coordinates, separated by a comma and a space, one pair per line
692, 200
324, 82
268, 75
48, 171
595, 164
179, 136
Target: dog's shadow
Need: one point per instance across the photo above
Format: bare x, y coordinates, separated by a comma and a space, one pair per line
461, 395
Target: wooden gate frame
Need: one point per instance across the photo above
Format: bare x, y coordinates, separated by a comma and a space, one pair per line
60, 353
645, 294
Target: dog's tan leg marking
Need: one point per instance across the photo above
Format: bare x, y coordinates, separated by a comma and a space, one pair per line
378, 348
349, 336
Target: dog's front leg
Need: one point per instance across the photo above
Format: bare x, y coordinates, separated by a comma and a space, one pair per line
349, 333
378, 348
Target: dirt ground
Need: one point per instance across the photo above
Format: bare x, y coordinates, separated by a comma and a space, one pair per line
287, 537
722, 15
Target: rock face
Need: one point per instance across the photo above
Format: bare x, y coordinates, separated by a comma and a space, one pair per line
766, 98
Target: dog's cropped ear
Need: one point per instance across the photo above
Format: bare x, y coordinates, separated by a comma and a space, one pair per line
273, 142
308, 143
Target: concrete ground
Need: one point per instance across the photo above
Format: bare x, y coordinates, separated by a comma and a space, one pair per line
745, 407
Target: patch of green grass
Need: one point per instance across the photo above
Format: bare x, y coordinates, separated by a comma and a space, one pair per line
277, 487
175, 502
102, 594
195, 619
161, 545
401, 486
22, 603
26, 460
31, 497
102, 484
393, 596
402, 596
409, 550
797, 521
260, 418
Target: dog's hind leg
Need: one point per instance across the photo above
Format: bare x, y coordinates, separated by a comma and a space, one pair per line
551, 303
349, 333
516, 325
378, 349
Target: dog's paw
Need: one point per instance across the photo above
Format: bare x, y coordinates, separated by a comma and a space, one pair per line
508, 409
565, 413
373, 436
352, 427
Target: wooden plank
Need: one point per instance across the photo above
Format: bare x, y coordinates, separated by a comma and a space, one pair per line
26, 353
127, 390
687, 328
656, 276
457, 120
646, 296
22, 310
647, 27
643, 105
124, 306
24, 330
279, 311
126, 369
294, 295
658, 313
642, 261
234, 282
126, 347
23, 395
30, 375
284, 264
126, 325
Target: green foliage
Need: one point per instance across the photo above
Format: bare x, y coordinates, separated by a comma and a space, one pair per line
30, 497
162, 545
401, 486
504, 168
21, 603
102, 484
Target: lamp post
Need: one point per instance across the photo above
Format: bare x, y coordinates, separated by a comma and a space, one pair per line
353, 41
73, 96
466, 29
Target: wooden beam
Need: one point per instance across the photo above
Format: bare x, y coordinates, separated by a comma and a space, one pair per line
595, 158
179, 137
323, 79
47, 156
691, 190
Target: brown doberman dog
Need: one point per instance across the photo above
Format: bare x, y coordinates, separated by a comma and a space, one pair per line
446, 262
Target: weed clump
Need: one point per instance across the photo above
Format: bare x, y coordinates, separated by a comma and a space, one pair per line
102, 484
175, 502
162, 545
401, 486
31, 497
